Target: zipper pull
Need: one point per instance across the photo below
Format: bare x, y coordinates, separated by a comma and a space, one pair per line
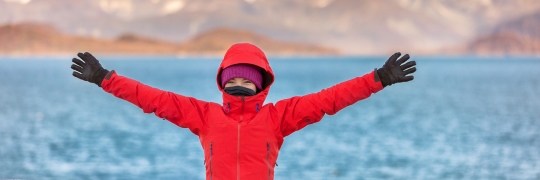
242, 98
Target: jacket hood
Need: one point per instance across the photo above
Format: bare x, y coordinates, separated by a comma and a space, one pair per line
245, 53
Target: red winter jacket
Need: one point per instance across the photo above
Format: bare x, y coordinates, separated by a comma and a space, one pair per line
241, 137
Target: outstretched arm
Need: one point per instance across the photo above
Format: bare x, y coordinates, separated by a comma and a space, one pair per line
183, 111
298, 112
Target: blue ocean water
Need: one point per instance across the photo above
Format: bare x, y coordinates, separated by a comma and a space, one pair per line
461, 118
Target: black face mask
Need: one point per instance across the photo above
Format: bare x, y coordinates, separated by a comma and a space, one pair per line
239, 91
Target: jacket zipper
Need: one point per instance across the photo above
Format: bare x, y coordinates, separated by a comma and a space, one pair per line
268, 158
238, 154
211, 154
242, 112
238, 143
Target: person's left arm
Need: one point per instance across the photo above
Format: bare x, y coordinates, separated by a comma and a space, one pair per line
300, 111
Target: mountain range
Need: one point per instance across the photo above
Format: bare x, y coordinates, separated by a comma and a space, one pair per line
32, 38
351, 26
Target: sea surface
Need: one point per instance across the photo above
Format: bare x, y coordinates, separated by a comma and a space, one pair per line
461, 118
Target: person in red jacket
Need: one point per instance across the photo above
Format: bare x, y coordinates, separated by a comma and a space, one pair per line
241, 137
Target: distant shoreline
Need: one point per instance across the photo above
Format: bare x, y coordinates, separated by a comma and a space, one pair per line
126, 57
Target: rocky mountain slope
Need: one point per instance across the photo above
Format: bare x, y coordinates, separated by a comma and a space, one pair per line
218, 40
520, 36
352, 26
31, 38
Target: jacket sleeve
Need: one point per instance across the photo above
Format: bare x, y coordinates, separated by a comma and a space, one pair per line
300, 111
186, 112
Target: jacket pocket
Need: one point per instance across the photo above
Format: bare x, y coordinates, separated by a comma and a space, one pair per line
210, 162
268, 160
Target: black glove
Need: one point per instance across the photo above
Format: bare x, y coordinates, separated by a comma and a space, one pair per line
394, 72
88, 69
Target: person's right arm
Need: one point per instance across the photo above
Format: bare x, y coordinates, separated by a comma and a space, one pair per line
183, 111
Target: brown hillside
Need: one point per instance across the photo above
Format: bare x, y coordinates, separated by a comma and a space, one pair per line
217, 41
30, 38
520, 36
504, 44
353, 26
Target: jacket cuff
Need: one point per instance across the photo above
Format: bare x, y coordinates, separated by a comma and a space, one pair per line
108, 79
374, 85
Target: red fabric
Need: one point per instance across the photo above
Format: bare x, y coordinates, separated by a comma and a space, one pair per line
241, 138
